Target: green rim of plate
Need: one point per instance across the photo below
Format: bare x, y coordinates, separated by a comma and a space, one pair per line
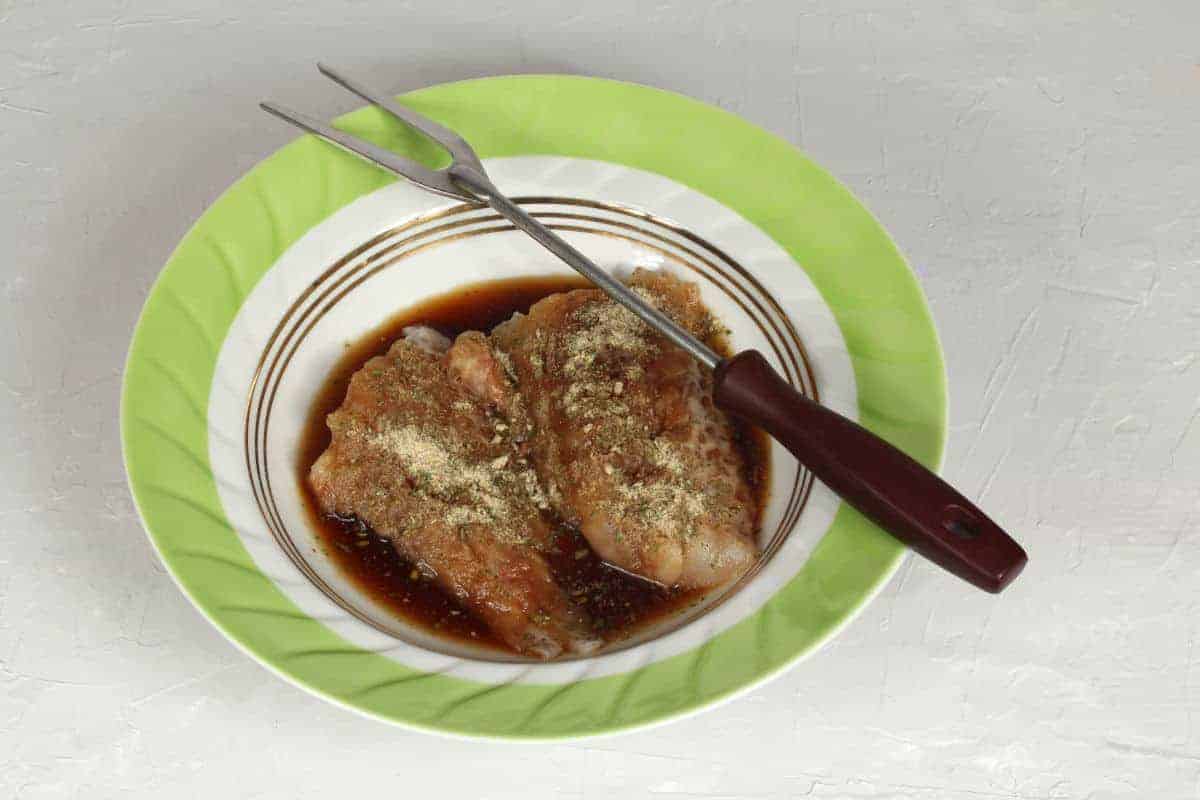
853, 263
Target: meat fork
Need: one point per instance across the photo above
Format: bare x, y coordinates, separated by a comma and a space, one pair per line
904, 498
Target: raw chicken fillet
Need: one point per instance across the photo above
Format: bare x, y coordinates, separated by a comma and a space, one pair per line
432, 467
627, 440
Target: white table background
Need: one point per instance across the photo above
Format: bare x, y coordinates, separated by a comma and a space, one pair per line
1039, 164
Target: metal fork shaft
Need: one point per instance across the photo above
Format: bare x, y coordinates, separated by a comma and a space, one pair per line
480, 186
465, 179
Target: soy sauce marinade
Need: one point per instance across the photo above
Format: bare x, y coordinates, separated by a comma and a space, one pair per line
616, 602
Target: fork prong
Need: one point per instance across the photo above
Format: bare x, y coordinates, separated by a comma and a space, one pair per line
433, 180
454, 144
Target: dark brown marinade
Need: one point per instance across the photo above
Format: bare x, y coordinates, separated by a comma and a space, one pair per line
617, 603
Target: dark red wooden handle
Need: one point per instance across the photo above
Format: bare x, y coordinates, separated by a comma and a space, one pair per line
901, 496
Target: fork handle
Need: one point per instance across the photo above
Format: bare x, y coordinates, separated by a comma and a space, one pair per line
901, 496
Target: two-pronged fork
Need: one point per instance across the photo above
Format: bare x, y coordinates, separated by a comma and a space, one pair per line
903, 497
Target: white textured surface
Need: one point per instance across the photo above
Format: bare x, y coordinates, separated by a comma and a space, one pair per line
1039, 164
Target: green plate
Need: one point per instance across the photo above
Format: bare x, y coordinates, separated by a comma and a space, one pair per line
857, 269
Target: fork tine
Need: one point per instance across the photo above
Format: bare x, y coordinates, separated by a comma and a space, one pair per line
454, 144
433, 180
